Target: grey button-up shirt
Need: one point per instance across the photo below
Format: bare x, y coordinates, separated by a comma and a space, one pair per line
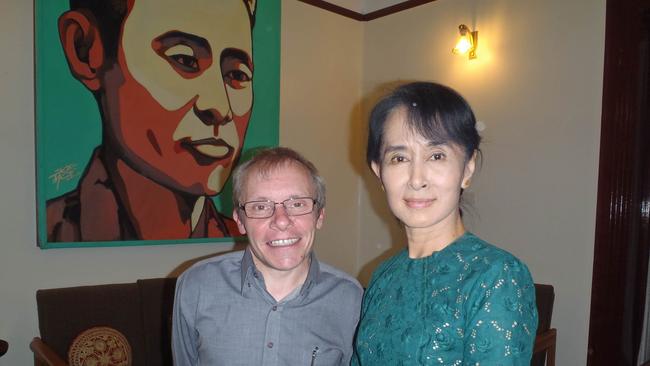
223, 315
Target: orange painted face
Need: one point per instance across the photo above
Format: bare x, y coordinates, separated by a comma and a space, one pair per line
180, 95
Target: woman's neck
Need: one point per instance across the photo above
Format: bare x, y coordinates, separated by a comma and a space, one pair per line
422, 242
280, 284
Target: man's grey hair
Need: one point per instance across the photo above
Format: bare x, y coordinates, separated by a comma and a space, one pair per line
266, 161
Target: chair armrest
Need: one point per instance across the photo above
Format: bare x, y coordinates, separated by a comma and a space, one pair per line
545, 340
43, 354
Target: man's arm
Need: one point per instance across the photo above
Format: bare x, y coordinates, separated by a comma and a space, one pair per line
184, 336
355, 309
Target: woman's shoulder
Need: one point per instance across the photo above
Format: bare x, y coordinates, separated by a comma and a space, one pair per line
477, 248
490, 259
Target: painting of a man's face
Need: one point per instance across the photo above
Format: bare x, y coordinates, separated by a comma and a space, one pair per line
178, 100
143, 108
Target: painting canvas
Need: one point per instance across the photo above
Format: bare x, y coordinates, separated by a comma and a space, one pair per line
143, 108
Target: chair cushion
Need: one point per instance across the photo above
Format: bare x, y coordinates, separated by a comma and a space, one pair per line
100, 346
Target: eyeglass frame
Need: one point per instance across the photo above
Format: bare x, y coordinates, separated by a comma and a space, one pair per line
242, 206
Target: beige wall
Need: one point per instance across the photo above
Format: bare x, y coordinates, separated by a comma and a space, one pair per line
320, 115
534, 196
537, 86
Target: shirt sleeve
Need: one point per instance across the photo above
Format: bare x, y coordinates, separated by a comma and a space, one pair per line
184, 336
355, 309
503, 317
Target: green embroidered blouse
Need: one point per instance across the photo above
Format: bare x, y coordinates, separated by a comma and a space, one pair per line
468, 304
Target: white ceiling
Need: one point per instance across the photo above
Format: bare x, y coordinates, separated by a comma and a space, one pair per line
364, 6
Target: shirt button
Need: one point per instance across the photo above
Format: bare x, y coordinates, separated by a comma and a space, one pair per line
275, 307
269, 345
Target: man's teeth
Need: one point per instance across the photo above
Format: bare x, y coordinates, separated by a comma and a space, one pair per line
283, 242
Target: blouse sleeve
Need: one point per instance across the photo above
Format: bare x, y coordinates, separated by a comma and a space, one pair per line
502, 317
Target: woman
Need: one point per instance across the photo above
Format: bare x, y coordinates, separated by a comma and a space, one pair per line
450, 298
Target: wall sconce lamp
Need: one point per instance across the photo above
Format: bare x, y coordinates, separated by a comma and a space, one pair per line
467, 42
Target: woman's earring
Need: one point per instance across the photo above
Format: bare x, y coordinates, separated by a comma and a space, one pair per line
465, 184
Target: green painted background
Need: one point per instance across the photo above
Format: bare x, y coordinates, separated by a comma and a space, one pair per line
68, 124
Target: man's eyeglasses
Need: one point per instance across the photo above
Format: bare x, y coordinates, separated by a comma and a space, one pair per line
264, 209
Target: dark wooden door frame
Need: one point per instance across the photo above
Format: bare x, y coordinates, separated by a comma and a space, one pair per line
622, 219
404, 5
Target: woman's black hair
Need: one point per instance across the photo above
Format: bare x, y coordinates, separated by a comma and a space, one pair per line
435, 111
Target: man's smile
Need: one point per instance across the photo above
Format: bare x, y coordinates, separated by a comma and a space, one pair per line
283, 242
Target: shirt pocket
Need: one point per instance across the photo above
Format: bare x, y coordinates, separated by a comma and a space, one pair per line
324, 356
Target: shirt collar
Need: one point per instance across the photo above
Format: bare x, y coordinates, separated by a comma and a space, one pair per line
248, 269
313, 276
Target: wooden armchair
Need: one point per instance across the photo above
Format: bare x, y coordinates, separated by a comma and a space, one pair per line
130, 324
544, 349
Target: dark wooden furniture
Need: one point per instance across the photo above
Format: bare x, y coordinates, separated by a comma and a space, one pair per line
3, 347
141, 311
544, 349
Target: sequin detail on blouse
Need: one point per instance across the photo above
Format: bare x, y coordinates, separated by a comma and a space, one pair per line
469, 304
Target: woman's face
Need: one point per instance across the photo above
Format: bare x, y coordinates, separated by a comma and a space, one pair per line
422, 181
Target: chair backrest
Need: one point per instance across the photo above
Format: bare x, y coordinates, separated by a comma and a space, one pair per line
157, 297
64, 313
544, 296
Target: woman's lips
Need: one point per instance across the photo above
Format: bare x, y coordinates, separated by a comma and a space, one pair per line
418, 203
210, 148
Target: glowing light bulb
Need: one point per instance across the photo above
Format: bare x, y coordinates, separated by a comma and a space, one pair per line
463, 45
466, 43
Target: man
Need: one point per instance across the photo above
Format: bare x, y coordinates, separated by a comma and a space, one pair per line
173, 82
273, 303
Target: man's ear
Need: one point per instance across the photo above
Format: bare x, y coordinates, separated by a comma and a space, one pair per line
82, 46
240, 224
320, 218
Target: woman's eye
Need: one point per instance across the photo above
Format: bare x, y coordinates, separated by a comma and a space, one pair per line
438, 156
397, 159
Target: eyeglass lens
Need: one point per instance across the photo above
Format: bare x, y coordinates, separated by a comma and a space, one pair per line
292, 206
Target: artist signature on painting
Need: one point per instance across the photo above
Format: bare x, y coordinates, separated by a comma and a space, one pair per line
64, 174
